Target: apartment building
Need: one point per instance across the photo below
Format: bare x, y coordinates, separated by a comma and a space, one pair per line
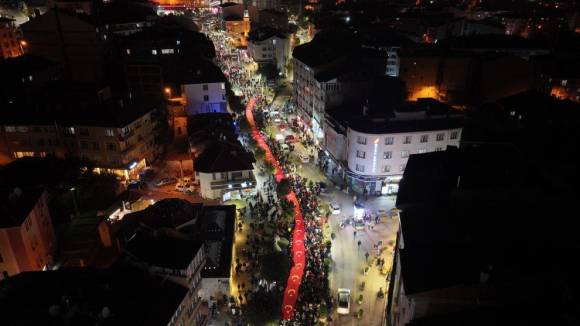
204, 92
178, 260
267, 45
307, 61
120, 294
10, 45
370, 151
27, 239
225, 171
117, 135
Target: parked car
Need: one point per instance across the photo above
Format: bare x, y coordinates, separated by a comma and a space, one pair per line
334, 208
136, 184
343, 307
304, 158
165, 181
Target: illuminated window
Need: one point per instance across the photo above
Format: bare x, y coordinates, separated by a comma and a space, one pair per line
167, 51
422, 150
109, 132
10, 129
128, 51
69, 131
154, 52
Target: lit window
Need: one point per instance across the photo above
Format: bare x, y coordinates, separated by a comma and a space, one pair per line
109, 132
10, 129
154, 52
223, 85
69, 131
422, 150
404, 154
167, 51
387, 155
128, 51
178, 42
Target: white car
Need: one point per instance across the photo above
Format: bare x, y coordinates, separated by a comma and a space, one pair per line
343, 307
285, 147
334, 208
304, 158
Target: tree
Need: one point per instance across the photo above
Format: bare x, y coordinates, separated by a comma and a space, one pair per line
283, 188
268, 70
275, 267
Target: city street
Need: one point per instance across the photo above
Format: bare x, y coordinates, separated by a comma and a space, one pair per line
348, 259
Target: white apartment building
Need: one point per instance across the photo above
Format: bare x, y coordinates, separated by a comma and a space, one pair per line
371, 153
267, 45
205, 97
225, 171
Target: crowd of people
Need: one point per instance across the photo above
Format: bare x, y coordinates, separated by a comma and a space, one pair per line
314, 289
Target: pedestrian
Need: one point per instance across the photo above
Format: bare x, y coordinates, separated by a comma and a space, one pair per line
366, 255
354, 233
359, 243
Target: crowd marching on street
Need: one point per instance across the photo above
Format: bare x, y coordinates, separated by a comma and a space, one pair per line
314, 290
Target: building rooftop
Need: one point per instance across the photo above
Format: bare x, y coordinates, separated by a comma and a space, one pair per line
469, 218
224, 156
264, 33
201, 71
213, 225
380, 117
163, 250
23, 66
492, 42
121, 295
324, 48
62, 108
16, 204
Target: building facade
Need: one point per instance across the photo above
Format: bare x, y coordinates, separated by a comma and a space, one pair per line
122, 148
207, 97
370, 154
270, 47
27, 239
10, 45
226, 185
